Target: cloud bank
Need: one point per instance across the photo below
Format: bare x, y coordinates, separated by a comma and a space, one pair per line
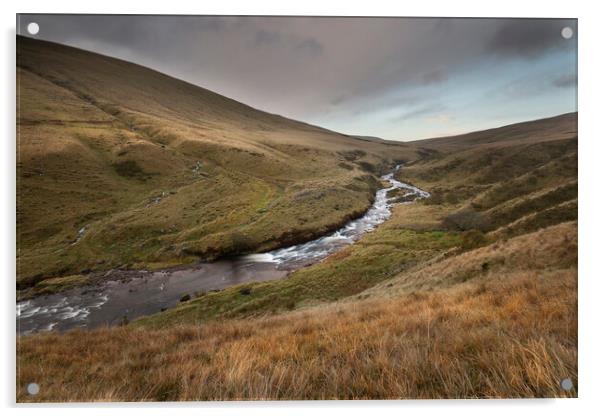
398, 78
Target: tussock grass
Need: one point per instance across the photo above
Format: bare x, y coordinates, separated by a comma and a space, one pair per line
565, 211
504, 182
510, 331
554, 248
536, 202
548, 129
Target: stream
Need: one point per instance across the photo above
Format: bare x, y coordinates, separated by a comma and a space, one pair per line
139, 293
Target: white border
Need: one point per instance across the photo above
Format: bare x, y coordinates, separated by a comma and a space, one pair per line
590, 232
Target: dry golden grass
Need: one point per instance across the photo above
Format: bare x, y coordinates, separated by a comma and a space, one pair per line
547, 129
552, 248
511, 332
511, 339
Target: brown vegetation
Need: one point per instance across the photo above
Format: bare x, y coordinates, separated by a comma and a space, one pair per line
506, 332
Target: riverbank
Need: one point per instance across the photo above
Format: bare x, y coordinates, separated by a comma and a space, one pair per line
132, 294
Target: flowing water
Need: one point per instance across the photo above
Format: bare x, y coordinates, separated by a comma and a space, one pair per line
141, 293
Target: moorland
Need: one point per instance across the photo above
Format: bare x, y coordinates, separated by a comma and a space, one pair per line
469, 293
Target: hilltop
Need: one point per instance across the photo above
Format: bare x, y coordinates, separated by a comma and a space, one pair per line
559, 127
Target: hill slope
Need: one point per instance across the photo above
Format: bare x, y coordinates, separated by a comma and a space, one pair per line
480, 195
121, 166
508, 180
553, 128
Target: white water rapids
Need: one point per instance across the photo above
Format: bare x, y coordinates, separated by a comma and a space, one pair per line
315, 250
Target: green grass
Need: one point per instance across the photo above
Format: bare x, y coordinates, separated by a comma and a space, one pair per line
553, 173
54, 285
63, 282
161, 173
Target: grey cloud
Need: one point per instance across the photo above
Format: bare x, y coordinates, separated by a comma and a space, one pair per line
419, 45
310, 46
307, 45
528, 37
434, 77
304, 67
534, 85
565, 81
339, 99
402, 101
263, 37
421, 111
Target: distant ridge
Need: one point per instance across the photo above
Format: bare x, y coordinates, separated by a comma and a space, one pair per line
552, 128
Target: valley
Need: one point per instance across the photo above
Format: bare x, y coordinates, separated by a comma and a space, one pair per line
454, 276
157, 172
119, 296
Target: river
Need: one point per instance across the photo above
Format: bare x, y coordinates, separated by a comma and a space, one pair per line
140, 293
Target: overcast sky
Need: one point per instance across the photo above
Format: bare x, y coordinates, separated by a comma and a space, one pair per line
396, 78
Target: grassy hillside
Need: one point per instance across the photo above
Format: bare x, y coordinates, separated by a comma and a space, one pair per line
121, 166
470, 207
505, 181
554, 128
471, 293
508, 331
